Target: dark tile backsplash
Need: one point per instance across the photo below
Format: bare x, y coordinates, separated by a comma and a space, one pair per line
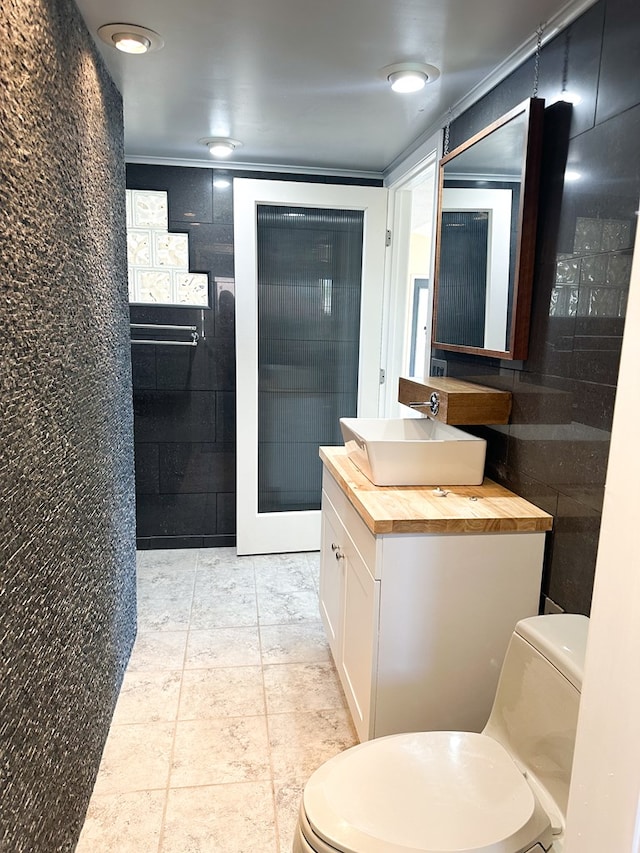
67, 552
189, 191
618, 89
191, 468
170, 515
555, 450
177, 416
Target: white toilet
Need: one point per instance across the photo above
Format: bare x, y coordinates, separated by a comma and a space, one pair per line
502, 791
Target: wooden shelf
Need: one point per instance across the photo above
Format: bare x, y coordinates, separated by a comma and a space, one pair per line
460, 402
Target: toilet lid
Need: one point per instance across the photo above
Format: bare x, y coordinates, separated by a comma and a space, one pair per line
426, 792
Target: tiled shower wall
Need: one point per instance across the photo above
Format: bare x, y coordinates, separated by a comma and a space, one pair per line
184, 398
555, 450
67, 564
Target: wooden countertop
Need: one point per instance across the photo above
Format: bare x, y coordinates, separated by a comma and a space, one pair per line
488, 508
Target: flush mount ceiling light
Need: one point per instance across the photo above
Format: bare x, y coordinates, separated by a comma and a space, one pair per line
221, 146
130, 38
410, 76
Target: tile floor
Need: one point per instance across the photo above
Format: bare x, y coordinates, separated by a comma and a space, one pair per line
229, 702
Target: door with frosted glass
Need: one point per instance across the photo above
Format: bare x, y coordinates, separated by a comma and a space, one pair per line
309, 295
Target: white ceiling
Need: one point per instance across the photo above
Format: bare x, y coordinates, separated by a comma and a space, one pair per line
298, 81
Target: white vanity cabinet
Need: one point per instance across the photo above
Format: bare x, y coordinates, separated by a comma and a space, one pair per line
418, 623
349, 606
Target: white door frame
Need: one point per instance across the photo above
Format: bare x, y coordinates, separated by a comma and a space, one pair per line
397, 312
498, 204
295, 531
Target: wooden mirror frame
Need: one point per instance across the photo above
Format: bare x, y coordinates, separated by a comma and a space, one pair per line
533, 109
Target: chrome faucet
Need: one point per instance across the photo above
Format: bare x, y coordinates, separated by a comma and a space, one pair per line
433, 404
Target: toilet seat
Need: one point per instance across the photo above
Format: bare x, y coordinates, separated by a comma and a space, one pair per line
424, 792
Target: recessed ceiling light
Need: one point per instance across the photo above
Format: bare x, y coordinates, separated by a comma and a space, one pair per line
407, 81
131, 43
130, 38
221, 146
410, 76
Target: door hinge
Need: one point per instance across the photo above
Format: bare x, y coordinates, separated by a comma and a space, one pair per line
387, 241
383, 376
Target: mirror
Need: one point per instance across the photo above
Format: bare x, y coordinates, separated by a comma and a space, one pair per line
485, 242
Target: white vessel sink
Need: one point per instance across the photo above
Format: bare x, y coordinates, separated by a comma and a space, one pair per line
413, 452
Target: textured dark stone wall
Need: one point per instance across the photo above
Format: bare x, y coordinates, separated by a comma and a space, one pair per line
67, 529
555, 450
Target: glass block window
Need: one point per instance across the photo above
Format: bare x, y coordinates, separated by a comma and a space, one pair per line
158, 260
593, 281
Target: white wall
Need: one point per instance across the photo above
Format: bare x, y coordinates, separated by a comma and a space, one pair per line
604, 803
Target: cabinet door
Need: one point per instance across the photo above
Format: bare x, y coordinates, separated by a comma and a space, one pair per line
332, 566
360, 642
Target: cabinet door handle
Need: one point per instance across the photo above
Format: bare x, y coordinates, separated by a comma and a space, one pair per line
336, 550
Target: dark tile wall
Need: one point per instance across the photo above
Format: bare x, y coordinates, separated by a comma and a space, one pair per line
67, 525
184, 399
555, 450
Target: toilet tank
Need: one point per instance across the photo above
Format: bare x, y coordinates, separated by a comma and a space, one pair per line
535, 711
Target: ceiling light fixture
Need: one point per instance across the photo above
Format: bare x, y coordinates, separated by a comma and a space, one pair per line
131, 43
407, 81
130, 38
221, 146
408, 77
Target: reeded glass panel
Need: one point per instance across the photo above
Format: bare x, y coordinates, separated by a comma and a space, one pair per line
419, 319
309, 276
463, 278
